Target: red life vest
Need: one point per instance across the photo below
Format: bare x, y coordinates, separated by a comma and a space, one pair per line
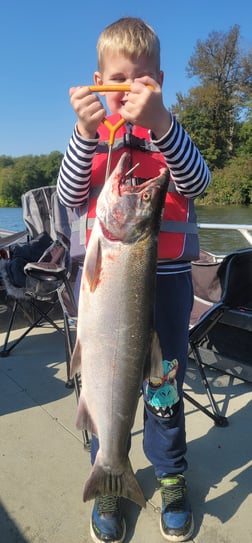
178, 239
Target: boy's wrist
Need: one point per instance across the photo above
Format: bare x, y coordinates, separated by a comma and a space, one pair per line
85, 134
162, 127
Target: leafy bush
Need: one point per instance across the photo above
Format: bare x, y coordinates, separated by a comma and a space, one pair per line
231, 185
18, 175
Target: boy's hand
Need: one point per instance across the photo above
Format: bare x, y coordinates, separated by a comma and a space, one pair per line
145, 106
89, 110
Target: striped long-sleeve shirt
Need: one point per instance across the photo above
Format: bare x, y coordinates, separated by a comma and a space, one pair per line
187, 168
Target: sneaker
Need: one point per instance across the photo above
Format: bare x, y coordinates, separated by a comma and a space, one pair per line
176, 523
107, 523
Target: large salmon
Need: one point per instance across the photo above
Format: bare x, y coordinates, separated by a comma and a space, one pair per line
115, 323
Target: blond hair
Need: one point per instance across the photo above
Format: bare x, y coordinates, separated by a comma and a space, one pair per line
130, 36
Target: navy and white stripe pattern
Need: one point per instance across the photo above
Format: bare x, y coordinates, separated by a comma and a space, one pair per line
167, 267
187, 167
75, 171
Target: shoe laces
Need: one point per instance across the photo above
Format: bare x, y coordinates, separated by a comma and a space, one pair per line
173, 495
107, 504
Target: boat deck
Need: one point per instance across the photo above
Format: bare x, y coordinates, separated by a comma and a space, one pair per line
43, 464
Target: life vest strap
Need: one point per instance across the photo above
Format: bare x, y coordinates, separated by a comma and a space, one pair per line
128, 141
177, 227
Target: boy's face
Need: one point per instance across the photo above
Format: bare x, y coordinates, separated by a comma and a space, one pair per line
119, 69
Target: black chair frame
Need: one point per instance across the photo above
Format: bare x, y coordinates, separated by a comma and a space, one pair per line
235, 275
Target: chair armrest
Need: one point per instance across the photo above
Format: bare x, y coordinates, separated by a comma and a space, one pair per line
45, 271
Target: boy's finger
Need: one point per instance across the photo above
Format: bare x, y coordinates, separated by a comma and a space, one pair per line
80, 91
72, 91
146, 82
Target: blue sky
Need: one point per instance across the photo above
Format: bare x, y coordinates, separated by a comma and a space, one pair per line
46, 46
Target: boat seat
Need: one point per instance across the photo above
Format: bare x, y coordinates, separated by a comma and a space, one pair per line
30, 285
41, 274
223, 298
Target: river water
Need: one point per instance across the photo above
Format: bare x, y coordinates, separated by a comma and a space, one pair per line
223, 241
11, 218
220, 241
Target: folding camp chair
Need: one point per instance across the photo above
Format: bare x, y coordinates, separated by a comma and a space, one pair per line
221, 289
68, 295
34, 292
57, 248
51, 271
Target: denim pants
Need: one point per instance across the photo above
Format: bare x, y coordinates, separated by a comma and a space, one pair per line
164, 440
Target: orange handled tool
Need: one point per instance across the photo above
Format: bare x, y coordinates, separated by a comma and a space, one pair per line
112, 128
112, 132
109, 88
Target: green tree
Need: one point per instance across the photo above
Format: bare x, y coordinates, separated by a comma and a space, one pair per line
243, 143
18, 175
6, 161
50, 165
8, 198
224, 73
231, 185
193, 113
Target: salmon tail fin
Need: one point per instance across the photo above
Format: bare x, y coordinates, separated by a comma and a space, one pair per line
75, 363
103, 483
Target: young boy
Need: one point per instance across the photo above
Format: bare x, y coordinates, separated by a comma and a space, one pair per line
129, 53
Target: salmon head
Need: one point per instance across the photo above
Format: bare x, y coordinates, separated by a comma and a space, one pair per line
129, 212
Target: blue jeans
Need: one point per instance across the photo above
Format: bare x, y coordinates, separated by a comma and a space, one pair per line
164, 439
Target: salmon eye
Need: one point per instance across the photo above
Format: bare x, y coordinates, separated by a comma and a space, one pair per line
146, 196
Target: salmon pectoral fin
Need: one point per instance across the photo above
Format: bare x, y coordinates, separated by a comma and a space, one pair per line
75, 363
84, 420
106, 482
93, 265
156, 356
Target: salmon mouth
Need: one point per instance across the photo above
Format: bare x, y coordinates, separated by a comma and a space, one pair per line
130, 185
107, 234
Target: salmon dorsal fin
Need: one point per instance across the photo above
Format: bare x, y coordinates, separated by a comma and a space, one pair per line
84, 419
156, 357
75, 363
93, 265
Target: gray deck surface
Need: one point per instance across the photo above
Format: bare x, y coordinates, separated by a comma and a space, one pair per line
43, 464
